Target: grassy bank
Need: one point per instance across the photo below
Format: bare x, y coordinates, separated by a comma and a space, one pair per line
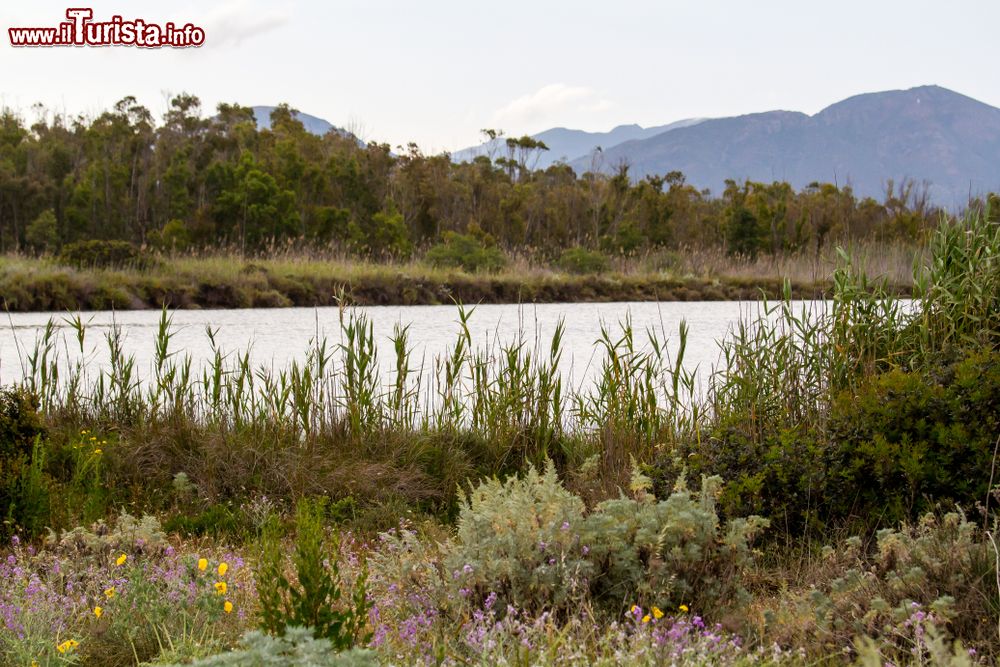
830, 498
290, 279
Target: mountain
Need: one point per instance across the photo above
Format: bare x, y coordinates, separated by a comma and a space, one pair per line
565, 144
311, 123
927, 133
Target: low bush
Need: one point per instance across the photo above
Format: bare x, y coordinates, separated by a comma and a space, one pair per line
469, 252
102, 255
296, 647
217, 520
583, 261
929, 575
531, 544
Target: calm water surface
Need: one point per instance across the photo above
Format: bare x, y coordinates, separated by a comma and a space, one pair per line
275, 337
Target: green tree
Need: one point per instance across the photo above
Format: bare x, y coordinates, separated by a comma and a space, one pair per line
43, 232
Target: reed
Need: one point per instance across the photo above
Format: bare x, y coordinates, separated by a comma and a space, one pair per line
492, 407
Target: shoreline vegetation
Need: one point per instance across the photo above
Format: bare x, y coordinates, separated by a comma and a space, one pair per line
281, 216
829, 498
29, 284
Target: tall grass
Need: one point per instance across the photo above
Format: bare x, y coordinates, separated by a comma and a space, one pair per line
487, 409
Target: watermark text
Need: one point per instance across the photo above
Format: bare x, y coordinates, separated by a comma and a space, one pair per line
81, 30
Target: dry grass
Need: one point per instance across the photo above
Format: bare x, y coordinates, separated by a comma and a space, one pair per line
311, 278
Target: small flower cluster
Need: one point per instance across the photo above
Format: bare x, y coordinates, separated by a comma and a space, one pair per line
90, 441
220, 586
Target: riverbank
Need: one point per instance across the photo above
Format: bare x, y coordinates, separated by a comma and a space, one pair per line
28, 284
828, 499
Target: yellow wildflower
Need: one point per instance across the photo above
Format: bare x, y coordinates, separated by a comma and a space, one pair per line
109, 592
98, 611
683, 608
97, 451
227, 607
202, 564
645, 619
67, 646
121, 560
634, 607
220, 587
223, 568
657, 614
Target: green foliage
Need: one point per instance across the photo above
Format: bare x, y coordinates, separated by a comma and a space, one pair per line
627, 239
175, 235
315, 599
216, 520
960, 289
216, 180
385, 236
295, 647
861, 411
42, 233
23, 495
912, 439
522, 539
20, 422
101, 254
582, 261
470, 252
897, 446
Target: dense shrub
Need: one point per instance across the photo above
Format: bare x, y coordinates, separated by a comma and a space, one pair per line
889, 451
933, 570
101, 254
911, 439
175, 235
100, 540
530, 543
582, 261
470, 252
385, 236
23, 497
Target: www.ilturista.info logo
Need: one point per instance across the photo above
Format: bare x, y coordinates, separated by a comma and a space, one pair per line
81, 30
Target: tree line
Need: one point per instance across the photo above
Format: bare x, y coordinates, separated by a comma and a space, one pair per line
200, 182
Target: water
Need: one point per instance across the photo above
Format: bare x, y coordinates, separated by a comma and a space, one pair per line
276, 336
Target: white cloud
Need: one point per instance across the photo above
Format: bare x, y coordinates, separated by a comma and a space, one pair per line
554, 104
237, 21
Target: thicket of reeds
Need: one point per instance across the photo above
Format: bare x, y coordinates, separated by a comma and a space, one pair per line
337, 424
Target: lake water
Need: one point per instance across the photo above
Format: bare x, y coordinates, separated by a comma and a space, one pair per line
275, 337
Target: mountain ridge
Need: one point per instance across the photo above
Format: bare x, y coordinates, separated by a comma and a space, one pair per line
925, 133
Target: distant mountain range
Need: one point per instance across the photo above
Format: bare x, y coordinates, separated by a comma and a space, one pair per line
565, 144
926, 134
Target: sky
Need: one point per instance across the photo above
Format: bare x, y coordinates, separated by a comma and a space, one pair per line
436, 72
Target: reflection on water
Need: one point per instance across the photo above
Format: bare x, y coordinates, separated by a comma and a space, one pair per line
276, 337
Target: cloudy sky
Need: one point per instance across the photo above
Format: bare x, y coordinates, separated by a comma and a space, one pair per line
436, 71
